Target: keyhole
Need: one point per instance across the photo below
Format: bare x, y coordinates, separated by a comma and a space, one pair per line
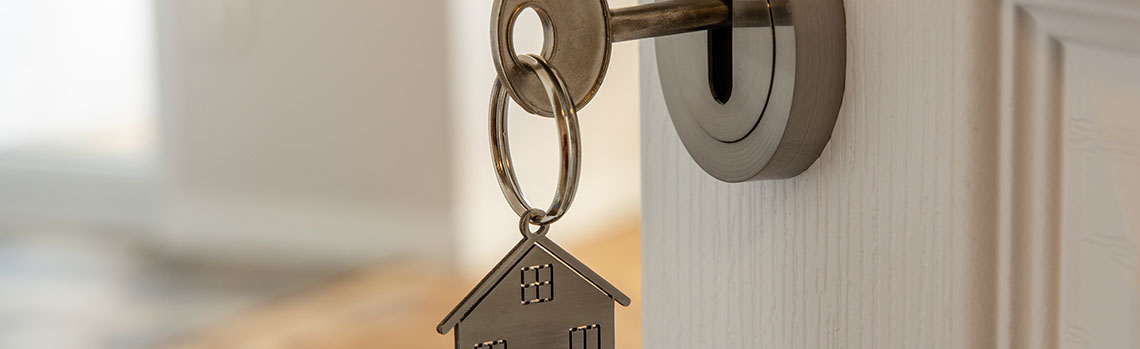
720, 61
531, 33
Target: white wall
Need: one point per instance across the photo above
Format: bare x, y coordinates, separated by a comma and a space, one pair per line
305, 131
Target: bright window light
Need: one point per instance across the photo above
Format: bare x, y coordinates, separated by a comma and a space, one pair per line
76, 77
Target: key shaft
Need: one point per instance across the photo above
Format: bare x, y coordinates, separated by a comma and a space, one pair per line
667, 18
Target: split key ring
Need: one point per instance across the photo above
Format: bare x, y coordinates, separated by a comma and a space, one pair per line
571, 157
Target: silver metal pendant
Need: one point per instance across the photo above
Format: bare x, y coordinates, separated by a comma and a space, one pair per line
538, 296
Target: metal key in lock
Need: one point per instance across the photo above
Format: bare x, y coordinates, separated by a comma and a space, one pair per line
578, 35
753, 86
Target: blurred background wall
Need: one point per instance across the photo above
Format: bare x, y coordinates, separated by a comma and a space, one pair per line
350, 129
165, 164
304, 131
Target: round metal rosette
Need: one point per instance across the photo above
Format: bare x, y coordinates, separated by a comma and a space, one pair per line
788, 62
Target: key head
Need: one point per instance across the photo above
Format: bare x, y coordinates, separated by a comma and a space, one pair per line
577, 44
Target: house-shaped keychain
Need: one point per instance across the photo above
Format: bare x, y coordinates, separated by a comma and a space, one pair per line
537, 297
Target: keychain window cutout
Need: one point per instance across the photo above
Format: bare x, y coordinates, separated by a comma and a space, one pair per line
537, 284
495, 344
586, 337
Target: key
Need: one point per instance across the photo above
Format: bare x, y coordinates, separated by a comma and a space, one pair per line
578, 36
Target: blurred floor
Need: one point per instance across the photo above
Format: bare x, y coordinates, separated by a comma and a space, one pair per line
399, 307
66, 289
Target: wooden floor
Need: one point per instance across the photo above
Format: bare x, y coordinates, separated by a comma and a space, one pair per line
399, 307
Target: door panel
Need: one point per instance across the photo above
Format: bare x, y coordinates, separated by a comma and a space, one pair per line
1074, 83
1100, 195
862, 249
980, 190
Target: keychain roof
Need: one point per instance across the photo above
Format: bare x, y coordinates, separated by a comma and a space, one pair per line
507, 264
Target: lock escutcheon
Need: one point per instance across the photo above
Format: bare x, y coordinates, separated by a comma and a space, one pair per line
782, 128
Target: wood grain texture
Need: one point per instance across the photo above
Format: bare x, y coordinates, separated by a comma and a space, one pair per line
1072, 176
979, 191
1099, 294
886, 242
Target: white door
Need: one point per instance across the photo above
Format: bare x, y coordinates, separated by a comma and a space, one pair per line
981, 189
